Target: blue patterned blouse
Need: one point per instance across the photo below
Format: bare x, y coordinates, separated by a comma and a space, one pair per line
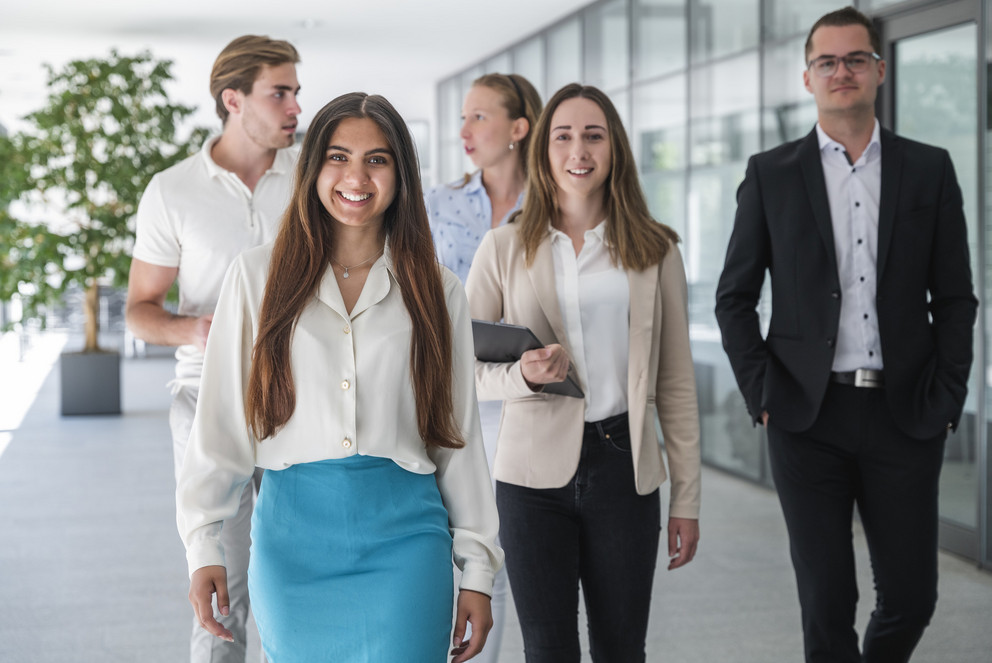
459, 217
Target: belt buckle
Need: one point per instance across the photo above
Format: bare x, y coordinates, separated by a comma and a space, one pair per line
864, 377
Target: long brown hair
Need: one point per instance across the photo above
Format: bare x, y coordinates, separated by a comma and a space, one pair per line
636, 241
300, 258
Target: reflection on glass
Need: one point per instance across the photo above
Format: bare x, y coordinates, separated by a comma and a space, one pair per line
722, 27
724, 110
729, 439
937, 79
724, 131
784, 18
564, 56
607, 63
659, 140
789, 108
528, 61
659, 37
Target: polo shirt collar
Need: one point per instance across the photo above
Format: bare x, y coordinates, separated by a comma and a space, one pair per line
283, 163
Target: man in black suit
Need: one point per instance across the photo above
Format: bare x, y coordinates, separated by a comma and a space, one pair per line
865, 365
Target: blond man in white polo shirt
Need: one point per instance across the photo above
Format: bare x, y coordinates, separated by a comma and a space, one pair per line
193, 220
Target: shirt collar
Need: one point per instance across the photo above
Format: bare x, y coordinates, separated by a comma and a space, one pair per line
871, 151
283, 163
598, 231
213, 170
377, 285
387, 256
474, 184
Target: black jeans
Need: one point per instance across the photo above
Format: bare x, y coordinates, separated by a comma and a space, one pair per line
597, 530
854, 454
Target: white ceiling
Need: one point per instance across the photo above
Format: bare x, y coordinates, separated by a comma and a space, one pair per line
398, 48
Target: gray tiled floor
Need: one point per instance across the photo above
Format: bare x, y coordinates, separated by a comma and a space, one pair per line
92, 570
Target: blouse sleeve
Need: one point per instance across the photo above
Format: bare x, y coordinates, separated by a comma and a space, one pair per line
220, 456
678, 409
463, 474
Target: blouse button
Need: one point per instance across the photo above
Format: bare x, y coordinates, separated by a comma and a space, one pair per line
345, 384
347, 329
346, 443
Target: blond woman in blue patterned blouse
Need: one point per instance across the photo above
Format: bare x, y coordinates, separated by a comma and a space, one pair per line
497, 116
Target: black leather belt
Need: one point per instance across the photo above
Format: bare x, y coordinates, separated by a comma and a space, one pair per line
868, 378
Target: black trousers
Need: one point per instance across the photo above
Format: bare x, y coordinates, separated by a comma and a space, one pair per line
854, 454
597, 530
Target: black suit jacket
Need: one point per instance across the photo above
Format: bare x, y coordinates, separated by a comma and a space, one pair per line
924, 297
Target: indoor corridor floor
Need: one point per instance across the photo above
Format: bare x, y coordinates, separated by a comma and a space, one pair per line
93, 571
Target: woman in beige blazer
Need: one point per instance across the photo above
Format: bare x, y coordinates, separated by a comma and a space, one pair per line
602, 285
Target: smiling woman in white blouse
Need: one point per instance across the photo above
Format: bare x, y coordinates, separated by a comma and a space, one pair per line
340, 360
601, 284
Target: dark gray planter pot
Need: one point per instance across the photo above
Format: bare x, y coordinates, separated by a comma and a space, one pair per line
91, 382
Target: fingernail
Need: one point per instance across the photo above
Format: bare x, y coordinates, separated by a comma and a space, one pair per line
225, 611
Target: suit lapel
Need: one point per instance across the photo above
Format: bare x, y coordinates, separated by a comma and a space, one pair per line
811, 165
642, 332
892, 160
542, 279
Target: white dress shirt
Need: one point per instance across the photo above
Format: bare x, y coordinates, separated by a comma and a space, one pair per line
354, 395
594, 298
854, 191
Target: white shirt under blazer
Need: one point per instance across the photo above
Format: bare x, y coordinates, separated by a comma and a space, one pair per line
354, 395
594, 299
540, 436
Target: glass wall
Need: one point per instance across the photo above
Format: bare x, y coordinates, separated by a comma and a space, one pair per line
702, 85
936, 78
564, 43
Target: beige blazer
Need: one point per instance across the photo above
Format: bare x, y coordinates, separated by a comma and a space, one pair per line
540, 435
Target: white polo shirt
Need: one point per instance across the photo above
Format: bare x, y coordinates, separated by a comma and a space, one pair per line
199, 217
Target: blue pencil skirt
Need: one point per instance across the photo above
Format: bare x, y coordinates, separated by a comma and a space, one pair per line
351, 563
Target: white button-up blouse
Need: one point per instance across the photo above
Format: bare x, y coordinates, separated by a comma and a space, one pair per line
354, 395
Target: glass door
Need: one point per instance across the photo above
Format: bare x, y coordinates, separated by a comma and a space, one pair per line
932, 95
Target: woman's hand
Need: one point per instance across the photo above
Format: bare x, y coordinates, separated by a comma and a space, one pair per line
204, 582
544, 365
683, 537
476, 609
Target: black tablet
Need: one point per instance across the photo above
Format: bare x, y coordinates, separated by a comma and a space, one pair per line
501, 343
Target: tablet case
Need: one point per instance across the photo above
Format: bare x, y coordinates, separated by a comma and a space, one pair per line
499, 342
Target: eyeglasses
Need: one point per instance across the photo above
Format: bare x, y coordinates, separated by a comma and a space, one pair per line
856, 63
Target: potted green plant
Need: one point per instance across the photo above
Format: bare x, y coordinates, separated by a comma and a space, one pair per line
69, 186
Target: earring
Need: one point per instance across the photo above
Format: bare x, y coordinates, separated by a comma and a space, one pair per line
511, 145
